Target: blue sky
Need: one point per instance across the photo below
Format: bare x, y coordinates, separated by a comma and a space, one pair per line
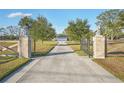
58, 17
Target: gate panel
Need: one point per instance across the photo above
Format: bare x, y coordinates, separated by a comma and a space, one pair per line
8, 45
87, 46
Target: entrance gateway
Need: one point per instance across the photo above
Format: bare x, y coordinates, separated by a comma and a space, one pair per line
24, 45
95, 47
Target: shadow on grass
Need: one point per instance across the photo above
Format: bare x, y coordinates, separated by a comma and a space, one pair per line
59, 53
73, 44
38, 54
62, 45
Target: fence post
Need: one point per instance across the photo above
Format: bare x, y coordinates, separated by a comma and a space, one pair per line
25, 47
99, 47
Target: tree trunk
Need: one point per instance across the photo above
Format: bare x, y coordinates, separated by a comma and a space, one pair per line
42, 41
34, 45
112, 38
80, 45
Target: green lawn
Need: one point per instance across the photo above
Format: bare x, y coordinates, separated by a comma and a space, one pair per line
43, 48
9, 64
7, 52
4, 59
8, 67
114, 65
7, 43
75, 45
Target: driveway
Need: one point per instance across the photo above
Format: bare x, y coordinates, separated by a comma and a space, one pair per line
63, 65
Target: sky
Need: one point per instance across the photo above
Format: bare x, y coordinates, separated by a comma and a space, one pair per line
58, 17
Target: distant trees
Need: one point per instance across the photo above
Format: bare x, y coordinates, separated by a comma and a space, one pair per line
9, 32
78, 29
39, 29
111, 23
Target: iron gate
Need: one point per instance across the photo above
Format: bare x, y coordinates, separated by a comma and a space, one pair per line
87, 46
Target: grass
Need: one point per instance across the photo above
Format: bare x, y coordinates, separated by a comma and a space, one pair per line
114, 65
9, 64
118, 46
9, 67
43, 48
76, 47
7, 52
7, 43
4, 59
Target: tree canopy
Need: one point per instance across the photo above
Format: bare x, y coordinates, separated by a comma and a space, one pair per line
25, 21
39, 29
110, 23
78, 29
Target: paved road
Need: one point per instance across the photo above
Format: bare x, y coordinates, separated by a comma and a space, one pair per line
62, 65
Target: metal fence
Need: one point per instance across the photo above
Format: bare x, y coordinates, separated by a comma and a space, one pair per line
87, 46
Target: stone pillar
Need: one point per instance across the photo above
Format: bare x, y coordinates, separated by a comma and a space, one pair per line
24, 47
99, 47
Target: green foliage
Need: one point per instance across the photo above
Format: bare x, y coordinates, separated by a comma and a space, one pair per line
78, 29
110, 23
10, 66
25, 21
43, 48
42, 30
45, 29
39, 29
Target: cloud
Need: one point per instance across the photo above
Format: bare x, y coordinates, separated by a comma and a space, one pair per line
18, 14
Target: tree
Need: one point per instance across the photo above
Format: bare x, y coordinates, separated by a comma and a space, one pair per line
13, 31
45, 29
51, 34
78, 29
109, 23
25, 21
39, 29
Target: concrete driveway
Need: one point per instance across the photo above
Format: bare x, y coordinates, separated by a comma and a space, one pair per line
63, 65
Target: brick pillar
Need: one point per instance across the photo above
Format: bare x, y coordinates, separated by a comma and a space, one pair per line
99, 47
24, 47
